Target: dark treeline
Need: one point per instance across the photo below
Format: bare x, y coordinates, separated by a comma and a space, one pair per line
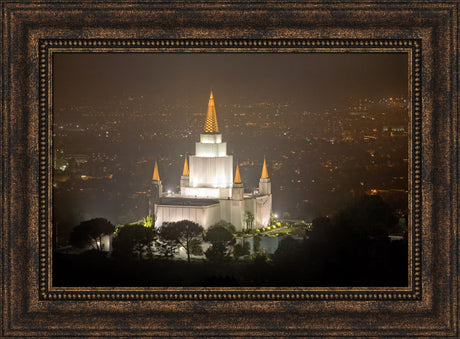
352, 248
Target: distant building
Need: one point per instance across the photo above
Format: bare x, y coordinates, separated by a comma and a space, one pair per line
208, 191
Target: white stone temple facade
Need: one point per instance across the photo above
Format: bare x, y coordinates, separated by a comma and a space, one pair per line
209, 192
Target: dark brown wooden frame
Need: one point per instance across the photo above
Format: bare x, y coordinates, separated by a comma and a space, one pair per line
32, 30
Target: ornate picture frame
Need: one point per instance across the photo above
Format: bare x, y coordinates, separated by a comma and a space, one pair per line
33, 31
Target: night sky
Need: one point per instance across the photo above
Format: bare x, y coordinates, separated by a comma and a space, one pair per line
311, 81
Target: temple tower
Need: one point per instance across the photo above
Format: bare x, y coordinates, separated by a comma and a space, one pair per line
185, 177
156, 190
265, 186
211, 169
208, 190
238, 187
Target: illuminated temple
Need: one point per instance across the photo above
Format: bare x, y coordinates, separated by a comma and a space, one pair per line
209, 192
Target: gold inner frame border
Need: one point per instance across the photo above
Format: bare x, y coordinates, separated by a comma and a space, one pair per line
47, 47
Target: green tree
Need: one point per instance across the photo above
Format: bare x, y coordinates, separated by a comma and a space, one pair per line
217, 252
249, 219
353, 241
131, 239
149, 221
195, 246
165, 247
219, 234
222, 223
185, 233
289, 250
321, 230
256, 243
370, 216
90, 233
241, 249
222, 240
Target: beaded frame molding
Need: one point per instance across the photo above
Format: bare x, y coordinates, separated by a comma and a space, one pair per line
48, 48
33, 30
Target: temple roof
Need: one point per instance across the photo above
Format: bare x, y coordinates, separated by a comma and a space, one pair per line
179, 201
156, 176
210, 125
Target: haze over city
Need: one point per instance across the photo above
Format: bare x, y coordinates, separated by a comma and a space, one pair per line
331, 126
312, 81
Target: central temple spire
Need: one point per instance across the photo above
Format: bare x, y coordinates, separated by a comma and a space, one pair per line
210, 125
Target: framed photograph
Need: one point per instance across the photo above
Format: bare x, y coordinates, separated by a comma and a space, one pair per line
225, 169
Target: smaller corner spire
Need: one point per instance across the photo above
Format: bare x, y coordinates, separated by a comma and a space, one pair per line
264, 170
237, 175
156, 176
185, 171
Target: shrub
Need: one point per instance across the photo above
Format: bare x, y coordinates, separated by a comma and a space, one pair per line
241, 250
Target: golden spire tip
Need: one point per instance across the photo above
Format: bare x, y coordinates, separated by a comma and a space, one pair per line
210, 125
237, 175
156, 175
264, 170
185, 171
